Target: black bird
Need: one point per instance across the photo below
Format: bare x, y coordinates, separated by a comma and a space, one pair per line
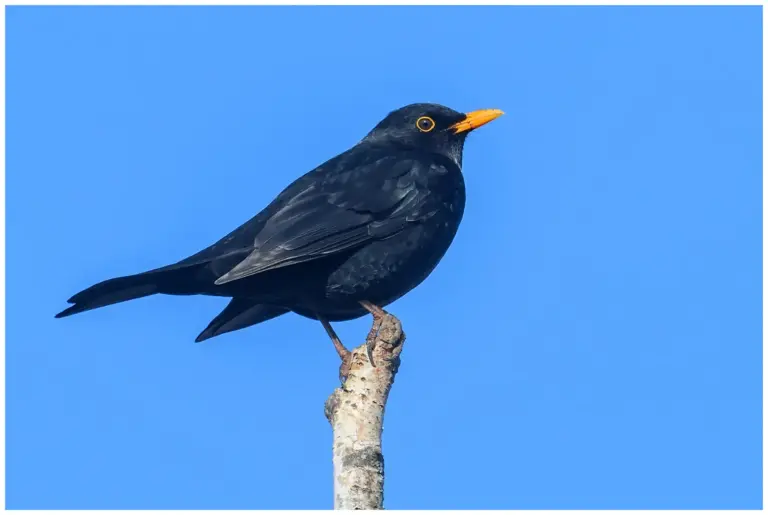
349, 237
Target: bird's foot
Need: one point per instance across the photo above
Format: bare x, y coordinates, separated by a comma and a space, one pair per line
346, 360
378, 317
370, 340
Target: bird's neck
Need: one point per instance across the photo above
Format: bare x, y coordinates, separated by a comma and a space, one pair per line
453, 152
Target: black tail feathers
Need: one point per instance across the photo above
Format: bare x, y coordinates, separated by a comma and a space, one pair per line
112, 291
239, 313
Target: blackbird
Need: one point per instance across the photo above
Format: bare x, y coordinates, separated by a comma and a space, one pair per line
347, 238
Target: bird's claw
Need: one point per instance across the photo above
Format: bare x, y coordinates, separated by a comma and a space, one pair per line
378, 317
346, 364
369, 346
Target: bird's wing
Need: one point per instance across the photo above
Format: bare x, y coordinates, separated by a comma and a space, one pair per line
339, 212
240, 313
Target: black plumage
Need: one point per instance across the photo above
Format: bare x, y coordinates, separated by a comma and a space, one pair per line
360, 230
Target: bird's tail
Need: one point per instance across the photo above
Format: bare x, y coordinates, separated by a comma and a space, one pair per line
113, 291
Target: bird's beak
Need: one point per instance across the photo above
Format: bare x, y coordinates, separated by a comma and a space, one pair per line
475, 119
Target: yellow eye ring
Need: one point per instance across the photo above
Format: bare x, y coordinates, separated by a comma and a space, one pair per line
425, 124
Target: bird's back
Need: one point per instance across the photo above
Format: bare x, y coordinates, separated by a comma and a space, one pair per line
337, 172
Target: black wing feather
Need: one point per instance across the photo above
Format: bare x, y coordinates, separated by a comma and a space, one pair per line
340, 212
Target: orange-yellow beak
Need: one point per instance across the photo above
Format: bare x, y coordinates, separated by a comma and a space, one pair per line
476, 119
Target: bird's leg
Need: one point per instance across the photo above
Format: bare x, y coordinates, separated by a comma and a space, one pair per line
378, 317
344, 354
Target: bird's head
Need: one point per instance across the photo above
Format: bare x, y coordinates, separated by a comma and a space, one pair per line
431, 127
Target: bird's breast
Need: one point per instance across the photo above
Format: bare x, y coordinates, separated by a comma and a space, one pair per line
386, 269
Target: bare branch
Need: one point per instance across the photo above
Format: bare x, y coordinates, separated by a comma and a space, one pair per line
356, 413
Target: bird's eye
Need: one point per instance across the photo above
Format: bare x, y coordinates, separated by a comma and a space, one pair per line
425, 124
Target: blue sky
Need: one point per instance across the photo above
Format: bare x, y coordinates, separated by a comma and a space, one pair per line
591, 340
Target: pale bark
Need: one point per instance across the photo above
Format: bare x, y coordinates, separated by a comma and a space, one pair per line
356, 413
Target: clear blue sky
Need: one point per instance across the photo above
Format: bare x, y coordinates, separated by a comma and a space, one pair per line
591, 340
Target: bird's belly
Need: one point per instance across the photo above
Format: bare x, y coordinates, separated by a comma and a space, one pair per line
386, 270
